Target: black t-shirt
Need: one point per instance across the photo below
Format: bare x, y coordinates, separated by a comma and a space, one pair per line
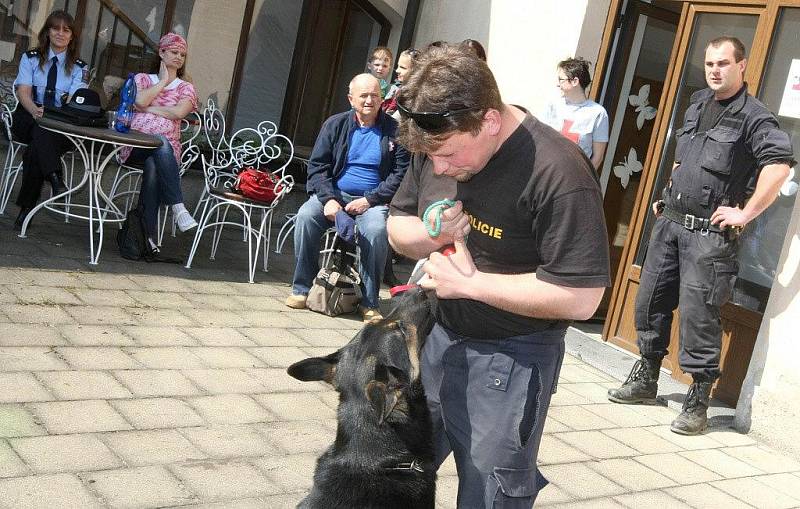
713, 109
421, 187
536, 207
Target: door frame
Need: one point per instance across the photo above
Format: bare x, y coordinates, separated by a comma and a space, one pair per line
302, 55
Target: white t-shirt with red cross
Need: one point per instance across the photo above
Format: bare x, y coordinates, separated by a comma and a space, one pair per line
584, 123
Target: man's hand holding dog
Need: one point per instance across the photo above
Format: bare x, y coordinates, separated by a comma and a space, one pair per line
454, 276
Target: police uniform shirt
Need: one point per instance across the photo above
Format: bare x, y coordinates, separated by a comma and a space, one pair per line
32, 75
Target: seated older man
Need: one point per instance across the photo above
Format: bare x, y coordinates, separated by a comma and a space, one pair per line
355, 165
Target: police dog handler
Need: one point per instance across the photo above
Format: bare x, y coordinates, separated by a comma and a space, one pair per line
728, 140
535, 258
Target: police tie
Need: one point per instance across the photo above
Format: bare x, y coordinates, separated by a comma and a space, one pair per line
52, 77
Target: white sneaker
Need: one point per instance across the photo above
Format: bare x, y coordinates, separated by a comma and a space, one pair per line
185, 221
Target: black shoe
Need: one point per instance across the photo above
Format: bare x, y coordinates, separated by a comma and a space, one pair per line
58, 184
23, 213
693, 419
641, 387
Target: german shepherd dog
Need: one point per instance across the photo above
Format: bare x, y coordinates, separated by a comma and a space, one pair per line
383, 454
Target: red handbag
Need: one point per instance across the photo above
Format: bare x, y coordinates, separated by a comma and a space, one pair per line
258, 185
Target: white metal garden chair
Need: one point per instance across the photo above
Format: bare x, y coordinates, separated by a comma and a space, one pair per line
13, 163
219, 146
261, 147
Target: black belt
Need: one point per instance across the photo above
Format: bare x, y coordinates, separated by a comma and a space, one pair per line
690, 222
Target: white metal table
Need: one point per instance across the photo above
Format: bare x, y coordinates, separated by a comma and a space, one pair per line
97, 146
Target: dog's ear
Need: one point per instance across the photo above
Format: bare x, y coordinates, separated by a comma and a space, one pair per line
383, 398
315, 368
384, 392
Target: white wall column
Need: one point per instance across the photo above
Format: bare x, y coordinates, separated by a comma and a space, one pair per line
767, 405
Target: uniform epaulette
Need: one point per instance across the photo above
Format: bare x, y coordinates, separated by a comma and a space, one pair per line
32, 53
80, 63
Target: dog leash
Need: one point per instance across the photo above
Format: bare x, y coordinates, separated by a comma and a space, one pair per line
439, 207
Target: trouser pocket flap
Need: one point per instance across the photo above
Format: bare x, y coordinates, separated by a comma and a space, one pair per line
517, 483
500, 371
724, 280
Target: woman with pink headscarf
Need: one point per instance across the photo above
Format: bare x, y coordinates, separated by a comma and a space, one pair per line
162, 100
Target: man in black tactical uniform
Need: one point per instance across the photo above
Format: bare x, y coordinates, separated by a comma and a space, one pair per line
729, 140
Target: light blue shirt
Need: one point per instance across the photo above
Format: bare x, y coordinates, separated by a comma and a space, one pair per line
30, 74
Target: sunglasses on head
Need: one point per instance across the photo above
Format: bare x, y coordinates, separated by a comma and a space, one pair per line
432, 121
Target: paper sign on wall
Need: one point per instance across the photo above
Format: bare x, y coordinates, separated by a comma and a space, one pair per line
790, 103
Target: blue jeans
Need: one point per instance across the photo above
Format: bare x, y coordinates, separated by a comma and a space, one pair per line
372, 240
488, 401
161, 181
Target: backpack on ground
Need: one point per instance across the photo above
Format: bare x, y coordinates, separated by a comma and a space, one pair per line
132, 237
132, 240
336, 289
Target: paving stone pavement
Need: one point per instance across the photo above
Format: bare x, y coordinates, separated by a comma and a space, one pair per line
135, 385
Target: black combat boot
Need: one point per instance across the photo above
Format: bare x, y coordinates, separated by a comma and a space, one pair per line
693, 419
641, 385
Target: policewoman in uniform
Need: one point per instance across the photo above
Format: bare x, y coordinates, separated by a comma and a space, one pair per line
731, 159
48, 76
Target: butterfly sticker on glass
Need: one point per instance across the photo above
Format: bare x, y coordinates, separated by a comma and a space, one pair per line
641, 102
627, 167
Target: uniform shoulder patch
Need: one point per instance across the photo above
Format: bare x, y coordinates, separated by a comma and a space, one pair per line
80, 63
32, 53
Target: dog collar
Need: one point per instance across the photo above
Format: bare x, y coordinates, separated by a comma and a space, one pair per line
413, 466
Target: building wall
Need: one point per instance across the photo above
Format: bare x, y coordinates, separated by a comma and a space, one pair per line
213, 39
268, 62
445, 20
394, 11
768, 406
524, 40
273, 34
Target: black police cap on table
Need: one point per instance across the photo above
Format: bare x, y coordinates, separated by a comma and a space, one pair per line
84, 102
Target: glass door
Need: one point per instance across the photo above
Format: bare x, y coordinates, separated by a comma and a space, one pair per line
762, 240
635, 82
707, 25
333, 45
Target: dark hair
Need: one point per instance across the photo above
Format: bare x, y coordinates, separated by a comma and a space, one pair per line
54, 19
576, 68
411, 53
474, 46
435, 44
738, 48
446, 79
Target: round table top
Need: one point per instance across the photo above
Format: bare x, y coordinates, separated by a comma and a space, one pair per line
131, 138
